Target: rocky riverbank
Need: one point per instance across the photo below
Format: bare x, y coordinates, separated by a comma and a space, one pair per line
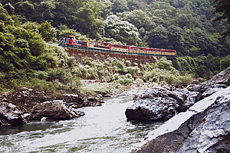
25, 105
198, 117
19, 107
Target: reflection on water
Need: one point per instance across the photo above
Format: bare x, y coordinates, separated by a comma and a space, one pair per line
103, 129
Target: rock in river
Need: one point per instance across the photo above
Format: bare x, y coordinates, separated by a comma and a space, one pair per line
54, 110
10, 115
160, 104
203, 128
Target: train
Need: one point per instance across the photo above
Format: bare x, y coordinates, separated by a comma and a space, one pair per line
71, 40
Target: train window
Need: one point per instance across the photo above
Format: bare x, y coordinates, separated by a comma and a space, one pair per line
67, 40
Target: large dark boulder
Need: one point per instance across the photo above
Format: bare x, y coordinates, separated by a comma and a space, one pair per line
54, 110
160, 104
10, 115
204, 128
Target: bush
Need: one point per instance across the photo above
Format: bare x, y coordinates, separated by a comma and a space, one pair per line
37, 47
125, 79
22, 43
112, 77
42, 85
59, 54
162, 75
225, 62
41, 75
186, 80
120, 64
171, 79
139, 81
163, 63
132, 70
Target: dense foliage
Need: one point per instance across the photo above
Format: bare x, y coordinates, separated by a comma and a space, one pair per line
187, 26
222, 8
26, 57
201, 66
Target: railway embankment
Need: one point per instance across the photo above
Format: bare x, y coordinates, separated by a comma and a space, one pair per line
80, 54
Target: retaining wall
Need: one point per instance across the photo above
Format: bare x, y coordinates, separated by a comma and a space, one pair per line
80, 54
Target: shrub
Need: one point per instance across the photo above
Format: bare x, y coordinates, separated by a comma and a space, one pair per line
171, 79
71, 61
88, 61
58, 73
120, 64
41, 75
225, 62
127, 63
159, 75
125, 79
186, 80
139, 81
93, 74
112, 77
37, 47
22, 43
42, 85
132, 70
163, 63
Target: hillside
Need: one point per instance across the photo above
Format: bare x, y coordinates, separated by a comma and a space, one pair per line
186, 26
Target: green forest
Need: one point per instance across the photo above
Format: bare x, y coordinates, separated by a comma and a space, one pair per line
197, 29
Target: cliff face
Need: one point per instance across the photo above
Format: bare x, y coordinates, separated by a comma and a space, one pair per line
203, 128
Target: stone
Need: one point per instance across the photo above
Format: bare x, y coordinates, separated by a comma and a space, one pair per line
10, 115
204, 128
211, 89
220, 80
160, 104
54, 110
25, 98
82, 101
157, 104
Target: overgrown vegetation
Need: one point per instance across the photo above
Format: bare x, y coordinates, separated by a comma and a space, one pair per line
201, 66
186, 26
28, 59
122, 72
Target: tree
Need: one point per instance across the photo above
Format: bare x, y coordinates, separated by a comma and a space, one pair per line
157, 37
119, 6
25, 8
175, 37
47, 31
88, 19
225, 62
121, 30
9, 7
138, 18
222, 8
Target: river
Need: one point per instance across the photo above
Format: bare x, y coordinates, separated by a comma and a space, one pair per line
103, 129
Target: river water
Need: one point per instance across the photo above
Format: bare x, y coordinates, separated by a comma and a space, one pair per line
103, 129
